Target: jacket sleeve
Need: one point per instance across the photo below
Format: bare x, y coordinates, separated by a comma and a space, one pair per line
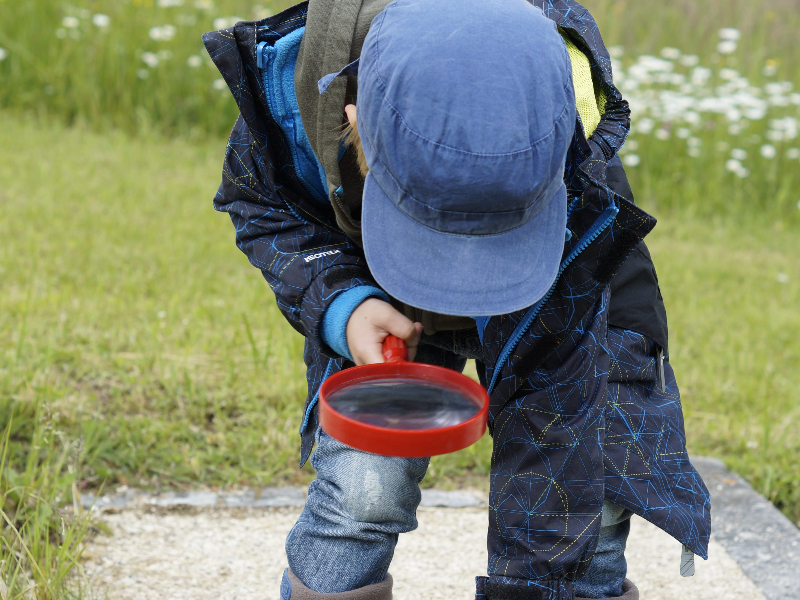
306, 261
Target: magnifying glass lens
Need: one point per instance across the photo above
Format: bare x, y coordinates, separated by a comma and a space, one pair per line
400, 403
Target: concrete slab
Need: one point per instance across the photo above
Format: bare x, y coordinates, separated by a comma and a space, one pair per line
764, 543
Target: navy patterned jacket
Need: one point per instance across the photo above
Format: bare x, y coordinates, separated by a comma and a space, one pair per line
279, 222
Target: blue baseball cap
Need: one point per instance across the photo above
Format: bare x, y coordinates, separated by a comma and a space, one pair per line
465, 110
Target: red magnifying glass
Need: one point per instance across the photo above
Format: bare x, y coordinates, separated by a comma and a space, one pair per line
401, 408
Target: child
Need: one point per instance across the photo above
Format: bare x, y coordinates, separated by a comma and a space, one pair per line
490, 221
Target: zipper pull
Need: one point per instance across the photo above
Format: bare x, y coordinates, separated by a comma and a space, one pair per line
660, 366
687, 562
261, 59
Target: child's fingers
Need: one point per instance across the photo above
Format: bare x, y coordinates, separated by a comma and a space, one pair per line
369, 353
370, 323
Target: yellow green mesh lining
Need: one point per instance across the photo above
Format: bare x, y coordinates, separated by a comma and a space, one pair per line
589, 104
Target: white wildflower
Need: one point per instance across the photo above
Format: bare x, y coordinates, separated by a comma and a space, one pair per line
694, 142
770, 69
162, 314
734, 129
774, 88
631, 160
670, 53
729, 33
204, 4
219, 84
693, 152
779, 100
692, 117
169, 3
793, 154
84, 13
631, 145
616, 51
795, 99
143, 73
654, 64
683, 133
3, 54
225, 22
101, 20
677, 79
733, 165
645, 125
164, 54
755, 113
700, 75
774, 136
61, 33
752, 444
194, 61
689, 60
743, 173
70, 22
722, 146
768, 151
150, 59
738, 154
662, 134
728, 74
162, 34
782, 278
733, 115
726, 47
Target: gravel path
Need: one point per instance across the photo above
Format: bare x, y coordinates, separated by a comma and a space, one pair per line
238, 554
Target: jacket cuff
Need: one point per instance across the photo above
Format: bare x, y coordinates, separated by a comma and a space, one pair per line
334, 321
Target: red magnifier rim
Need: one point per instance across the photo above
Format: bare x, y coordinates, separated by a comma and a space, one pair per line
416, 443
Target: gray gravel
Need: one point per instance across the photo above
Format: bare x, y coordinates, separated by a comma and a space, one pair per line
203, 545
224, 554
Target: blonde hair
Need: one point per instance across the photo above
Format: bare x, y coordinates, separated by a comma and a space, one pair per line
350, 137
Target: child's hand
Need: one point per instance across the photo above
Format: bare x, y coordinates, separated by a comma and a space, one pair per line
369, 325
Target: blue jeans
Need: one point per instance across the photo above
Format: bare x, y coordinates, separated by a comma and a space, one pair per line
359, 503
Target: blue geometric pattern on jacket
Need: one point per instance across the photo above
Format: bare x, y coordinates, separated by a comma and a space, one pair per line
308, 262
647, 466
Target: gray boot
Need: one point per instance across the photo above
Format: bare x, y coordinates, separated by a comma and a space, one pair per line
294, 589
629, 592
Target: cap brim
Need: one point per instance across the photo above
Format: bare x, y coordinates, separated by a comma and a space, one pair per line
462, 275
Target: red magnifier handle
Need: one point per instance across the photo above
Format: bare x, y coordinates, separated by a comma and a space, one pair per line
394, 349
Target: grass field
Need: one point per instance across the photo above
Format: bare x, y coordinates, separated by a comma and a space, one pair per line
127, 308
137, 345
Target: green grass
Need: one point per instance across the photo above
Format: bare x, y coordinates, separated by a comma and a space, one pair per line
42, 537
128, 309
97, 75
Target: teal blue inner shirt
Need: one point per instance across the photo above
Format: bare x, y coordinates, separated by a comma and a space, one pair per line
276, 66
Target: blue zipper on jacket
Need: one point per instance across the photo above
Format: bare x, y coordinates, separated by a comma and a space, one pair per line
600, 224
